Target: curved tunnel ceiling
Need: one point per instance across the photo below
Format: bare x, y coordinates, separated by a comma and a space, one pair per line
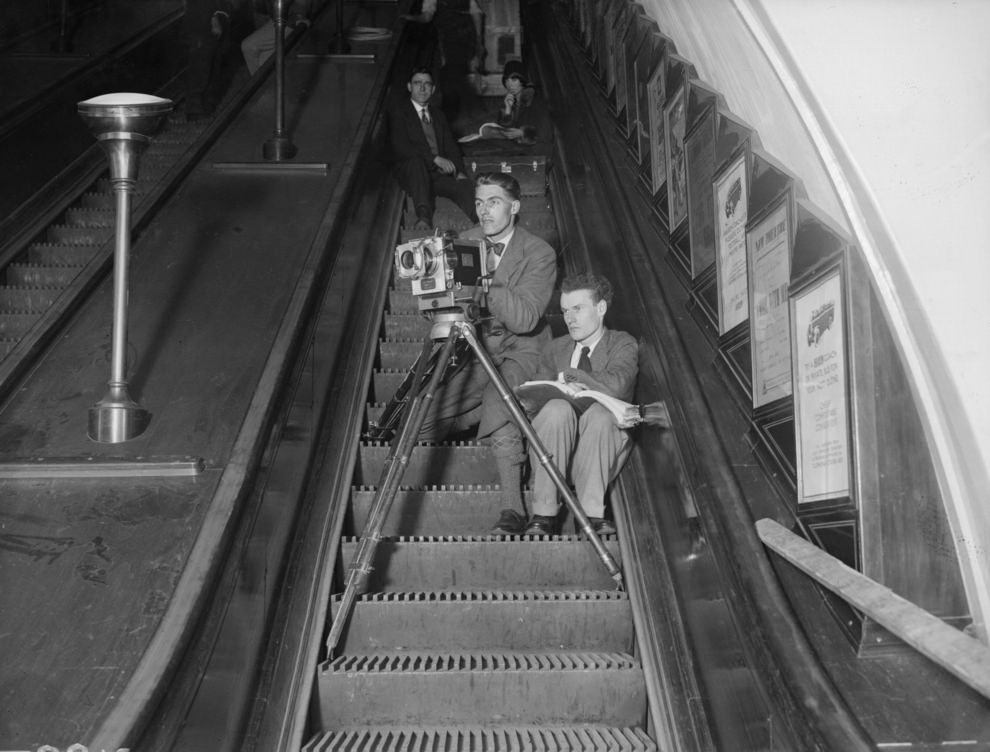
882, 108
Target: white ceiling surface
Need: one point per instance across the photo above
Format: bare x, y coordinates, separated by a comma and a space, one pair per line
906, 86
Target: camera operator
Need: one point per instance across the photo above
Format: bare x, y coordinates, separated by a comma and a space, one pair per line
522, 272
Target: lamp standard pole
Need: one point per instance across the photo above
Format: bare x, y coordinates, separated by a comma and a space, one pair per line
123, 125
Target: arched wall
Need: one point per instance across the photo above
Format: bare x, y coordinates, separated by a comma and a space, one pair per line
900, 156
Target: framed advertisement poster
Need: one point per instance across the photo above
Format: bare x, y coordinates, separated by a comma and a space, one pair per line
656, 91
607, 45
768, 254
646, 60
674, 125
699, 150
621, 79
821, 390
731, 191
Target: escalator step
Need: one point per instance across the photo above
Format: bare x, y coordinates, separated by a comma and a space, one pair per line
407, 326
25, 275
591, 738
97, 201
399, 355
456, 510
17, 324
596, 621
83, 217
47, 254
482, 687
430, 465
385, 383
538, 223
28, 298
68, 235
560, 562
402, 301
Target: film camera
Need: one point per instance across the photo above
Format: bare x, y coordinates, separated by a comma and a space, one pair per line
445, 272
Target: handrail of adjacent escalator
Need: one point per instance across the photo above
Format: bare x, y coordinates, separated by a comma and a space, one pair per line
963, 656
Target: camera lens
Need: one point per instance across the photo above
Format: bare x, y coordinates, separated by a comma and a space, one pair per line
407, 260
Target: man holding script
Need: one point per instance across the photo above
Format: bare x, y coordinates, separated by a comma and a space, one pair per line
586, 440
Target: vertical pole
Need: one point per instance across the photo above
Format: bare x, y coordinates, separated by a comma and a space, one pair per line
123, 188
279, 147
123, 125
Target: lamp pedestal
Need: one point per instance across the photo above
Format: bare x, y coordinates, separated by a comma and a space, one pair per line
123, 125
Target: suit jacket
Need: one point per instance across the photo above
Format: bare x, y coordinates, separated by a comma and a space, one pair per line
518, 296
408, 141
614, 363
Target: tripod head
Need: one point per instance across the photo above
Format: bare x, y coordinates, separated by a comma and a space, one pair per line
446, 318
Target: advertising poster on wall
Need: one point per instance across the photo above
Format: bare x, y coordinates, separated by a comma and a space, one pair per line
621, 100
821, 397
699, 147
769, 256
641, 68
608, 45
731, 213
675, 122
656, 91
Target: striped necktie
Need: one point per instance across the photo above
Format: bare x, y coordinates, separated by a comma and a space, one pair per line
431, 135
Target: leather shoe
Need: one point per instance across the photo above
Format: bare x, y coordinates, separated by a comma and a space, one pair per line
601, 526
510, 522
541, 525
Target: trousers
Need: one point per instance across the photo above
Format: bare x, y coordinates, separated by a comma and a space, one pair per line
589, 448
424, 184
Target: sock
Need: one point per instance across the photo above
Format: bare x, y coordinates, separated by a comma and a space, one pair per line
510, 479
507, 446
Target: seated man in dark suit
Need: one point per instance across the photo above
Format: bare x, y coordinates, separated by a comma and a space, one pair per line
525, 270
591, 447
427, 161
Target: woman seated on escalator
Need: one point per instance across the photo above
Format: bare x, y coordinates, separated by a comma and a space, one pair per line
516, 111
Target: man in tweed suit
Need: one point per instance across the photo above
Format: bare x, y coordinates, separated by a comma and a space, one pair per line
520, 288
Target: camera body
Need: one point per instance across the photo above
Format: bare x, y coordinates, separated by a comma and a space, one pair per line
445, 272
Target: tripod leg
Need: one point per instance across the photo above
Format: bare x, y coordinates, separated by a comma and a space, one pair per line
467, 331
388, 485
392, 414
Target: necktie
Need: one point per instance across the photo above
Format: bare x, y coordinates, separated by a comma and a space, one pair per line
493, 255
431, 135
584, 362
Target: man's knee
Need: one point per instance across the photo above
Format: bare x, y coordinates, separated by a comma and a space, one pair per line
556, 412
597, 419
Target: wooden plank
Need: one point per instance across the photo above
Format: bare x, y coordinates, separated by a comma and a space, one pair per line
966, 658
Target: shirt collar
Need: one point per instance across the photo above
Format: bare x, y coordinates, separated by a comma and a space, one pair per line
591, 344
504, 241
